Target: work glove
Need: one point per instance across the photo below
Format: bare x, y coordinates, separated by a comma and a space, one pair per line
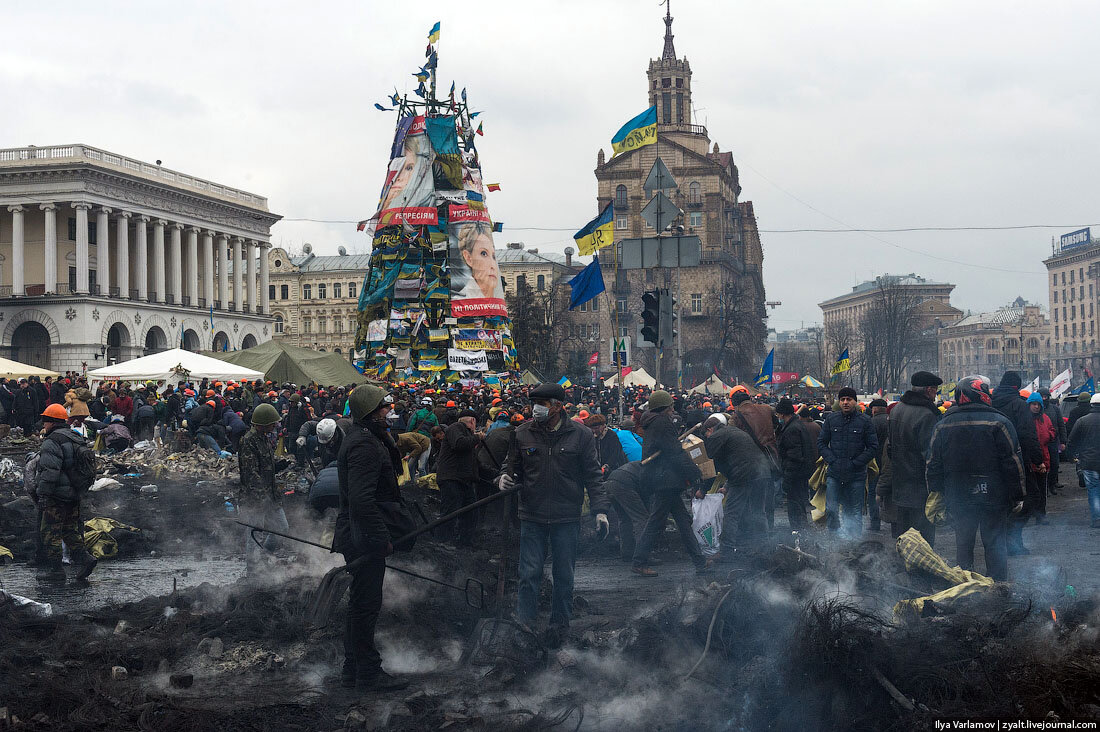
602, 525
300, 442
1018, 508
184, 424
505, 482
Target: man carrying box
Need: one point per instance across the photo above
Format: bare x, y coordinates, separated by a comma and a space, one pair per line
748, 479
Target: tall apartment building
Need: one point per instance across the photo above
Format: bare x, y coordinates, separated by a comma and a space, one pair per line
1073, 285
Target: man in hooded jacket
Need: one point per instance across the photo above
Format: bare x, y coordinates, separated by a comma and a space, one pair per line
909, 432
1008, 401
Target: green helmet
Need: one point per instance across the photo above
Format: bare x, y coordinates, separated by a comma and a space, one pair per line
660, 398
364, 399
264, 415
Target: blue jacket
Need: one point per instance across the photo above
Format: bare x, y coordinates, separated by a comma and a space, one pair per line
632, 446
847, 442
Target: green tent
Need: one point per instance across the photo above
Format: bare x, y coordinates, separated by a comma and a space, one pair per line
282, 363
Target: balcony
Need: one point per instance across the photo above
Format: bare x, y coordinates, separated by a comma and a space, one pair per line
217, 304
65, 288
231, 307
93, 288
114, 292
246, 308
185, 300
133, 294
5, 290
202, 302
153, 296
690, 129
694, 201
170, 298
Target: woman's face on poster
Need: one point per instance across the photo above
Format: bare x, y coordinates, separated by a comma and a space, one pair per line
481, 258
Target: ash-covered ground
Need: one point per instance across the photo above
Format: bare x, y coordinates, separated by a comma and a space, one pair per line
170, 635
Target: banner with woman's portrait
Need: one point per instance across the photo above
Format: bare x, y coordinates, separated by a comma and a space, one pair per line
408, 195
476, 290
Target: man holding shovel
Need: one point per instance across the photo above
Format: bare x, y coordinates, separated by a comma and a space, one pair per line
552, 460
366, 467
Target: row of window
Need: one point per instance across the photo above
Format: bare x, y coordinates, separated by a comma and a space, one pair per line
1080, 273
322, 325
694, 193
1070, 331
1072, 294
1009, 343
307, 291
1072, 309
585, 330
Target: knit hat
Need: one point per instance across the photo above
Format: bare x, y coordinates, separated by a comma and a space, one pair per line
1084, 398
784, 407
659, 399
846, 391
1035, 398
1011, 379
880, 403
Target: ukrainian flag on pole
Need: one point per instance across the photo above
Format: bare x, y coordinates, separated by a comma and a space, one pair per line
766, 370
638, 132
433, 34
843, 363
597, 233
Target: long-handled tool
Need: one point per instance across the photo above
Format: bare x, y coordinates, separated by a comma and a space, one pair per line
474, 589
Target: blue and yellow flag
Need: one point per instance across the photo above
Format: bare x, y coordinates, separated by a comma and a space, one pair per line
597, 233
638, 132
587, 284
565, 382
433, 34
766, 370
843, 363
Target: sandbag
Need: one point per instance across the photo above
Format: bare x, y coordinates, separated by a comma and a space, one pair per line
706, 522
935, 508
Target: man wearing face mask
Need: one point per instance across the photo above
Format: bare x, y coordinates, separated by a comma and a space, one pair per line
552, 460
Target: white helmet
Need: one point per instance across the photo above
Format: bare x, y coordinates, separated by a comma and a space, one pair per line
326, 428
426, 401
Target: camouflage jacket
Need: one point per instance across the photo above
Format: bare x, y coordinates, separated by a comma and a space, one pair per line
256, 459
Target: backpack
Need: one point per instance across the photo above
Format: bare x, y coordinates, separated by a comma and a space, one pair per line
82, 472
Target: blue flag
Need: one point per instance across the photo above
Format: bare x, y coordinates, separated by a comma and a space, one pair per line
587, 284
765, 375
211, 318
1089, 387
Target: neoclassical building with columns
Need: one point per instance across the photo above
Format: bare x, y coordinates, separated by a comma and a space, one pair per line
104, 258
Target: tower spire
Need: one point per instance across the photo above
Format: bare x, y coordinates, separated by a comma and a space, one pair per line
669, 54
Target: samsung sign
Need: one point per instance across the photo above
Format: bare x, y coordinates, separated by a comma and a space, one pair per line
1076, 238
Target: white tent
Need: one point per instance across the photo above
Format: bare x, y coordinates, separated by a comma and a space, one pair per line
713, 385
636, 377
173, 366
14, 370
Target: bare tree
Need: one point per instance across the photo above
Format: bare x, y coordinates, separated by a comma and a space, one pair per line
890, 332
741, 329
840, 336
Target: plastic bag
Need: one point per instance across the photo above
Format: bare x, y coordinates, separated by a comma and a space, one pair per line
706, 522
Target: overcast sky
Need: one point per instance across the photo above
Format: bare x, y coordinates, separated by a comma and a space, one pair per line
868, 113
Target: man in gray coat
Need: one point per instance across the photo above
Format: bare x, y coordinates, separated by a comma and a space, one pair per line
910, 429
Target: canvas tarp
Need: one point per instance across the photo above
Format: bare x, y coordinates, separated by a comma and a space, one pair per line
713, 385
282, 363
636, 377
173, 366
14, 370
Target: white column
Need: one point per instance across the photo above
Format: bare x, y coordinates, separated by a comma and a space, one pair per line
223, 271
208, 267
141, 253
103, 251
122, 243
158, 258
265, 302
193, 266
49, 254
238, 283
82, 246
18, 284
249, 298
176, 257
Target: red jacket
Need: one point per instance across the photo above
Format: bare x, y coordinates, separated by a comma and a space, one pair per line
123, 405
1044, 428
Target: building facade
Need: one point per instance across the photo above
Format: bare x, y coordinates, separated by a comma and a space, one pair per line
1073, 286
721, 301
104, 258
315, 299
1015, 337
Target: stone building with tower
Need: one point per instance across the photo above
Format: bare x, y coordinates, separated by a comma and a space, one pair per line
104, 258
721, 300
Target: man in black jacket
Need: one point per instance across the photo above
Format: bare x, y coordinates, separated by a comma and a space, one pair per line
748, 479
456, 473
1007, 400
367, 471
974, 461
848, 443
1061, 435
1080, 408
909, 432
880, 420
609, 451
797, 455
671, 472
25, 408
57, 495
1084, 444
630, 495
552, 461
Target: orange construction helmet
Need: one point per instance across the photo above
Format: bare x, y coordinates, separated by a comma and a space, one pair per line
1025, 393
56, 411
739, 389
450, 404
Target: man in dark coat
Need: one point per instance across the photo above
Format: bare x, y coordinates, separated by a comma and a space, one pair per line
609, 451
797, 456
1007, 400
748, 479
1080, 409
58, 498
909, 432
671, 471
456, 473
848, 443
367, 471
630, 495
1061, 435
1084, 444
879, 419
552, 461
259, 498
974, 461
24, 408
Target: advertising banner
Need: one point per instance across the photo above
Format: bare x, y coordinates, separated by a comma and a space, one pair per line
466, 360
476, 290
476, 339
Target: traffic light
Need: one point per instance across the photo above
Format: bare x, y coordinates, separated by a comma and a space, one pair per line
667, 320
651, 316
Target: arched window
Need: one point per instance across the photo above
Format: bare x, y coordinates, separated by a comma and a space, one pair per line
695, 192
620, 198
1032, 342
321, 291
278, 323
540, 283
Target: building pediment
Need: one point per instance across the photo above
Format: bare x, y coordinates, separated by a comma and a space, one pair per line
623, 165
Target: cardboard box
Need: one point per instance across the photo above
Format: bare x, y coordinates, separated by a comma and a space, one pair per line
707, 469
695, 449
